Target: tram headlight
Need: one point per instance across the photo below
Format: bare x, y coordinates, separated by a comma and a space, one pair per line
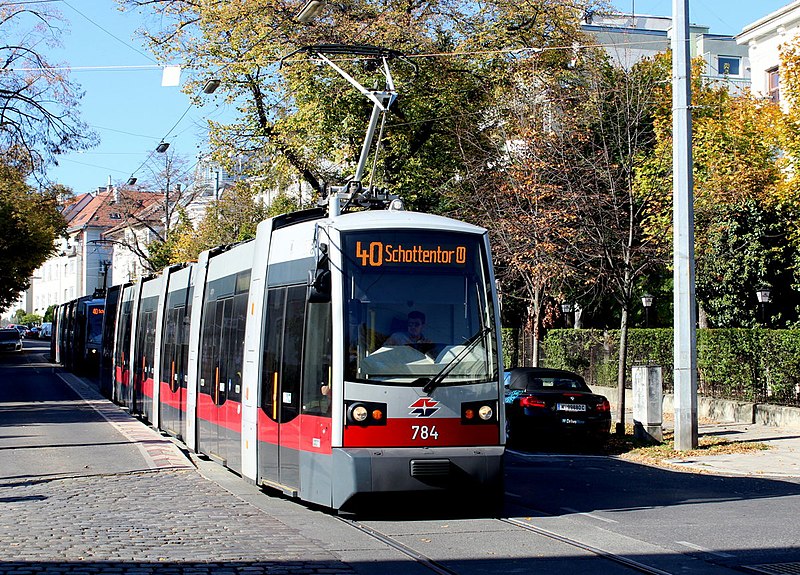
485, 412
364, 413
359, 413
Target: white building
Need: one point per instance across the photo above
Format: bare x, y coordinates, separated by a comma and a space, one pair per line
629, 38
764, 38
83, 261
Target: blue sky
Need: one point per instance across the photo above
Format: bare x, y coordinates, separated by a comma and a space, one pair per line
721, 16
126, 105
124, 101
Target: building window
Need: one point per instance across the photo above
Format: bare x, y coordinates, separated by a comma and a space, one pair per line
773, 85
729, 65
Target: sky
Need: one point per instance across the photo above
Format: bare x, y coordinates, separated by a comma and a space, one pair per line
131, 112
124, 101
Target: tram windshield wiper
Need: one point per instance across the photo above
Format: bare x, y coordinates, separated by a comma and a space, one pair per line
432, 383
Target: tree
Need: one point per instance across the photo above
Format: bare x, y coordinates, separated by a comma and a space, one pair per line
740, 227
231, 219
38, 103
571, 217
29, 222
309, 122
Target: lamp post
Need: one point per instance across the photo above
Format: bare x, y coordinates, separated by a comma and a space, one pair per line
647, 301
566, 309
764, 296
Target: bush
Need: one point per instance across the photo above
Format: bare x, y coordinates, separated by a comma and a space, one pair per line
755, 365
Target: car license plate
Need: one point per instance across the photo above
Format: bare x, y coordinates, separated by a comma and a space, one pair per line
570, 407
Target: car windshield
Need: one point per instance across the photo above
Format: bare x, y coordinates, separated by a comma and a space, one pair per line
416, 302
561, 383
9, 335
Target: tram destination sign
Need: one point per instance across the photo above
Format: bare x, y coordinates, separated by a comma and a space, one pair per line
378, 254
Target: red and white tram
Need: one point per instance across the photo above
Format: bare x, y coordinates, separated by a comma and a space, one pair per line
276, 356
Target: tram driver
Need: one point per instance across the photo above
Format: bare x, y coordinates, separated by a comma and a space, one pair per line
413, 335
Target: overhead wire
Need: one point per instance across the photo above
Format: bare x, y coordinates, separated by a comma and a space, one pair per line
289, 93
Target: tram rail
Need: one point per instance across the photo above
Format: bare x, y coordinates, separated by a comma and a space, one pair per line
441, 569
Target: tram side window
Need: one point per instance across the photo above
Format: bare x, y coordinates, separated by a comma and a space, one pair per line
236, 345
184, 325
125, 335
220, 356
317, 360
170, 337
150, 341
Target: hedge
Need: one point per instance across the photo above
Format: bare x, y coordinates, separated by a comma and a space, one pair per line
755, 365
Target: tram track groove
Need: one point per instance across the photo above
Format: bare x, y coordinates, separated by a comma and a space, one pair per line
441, 569
423, 560
630, 563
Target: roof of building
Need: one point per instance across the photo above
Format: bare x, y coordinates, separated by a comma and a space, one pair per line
109, 208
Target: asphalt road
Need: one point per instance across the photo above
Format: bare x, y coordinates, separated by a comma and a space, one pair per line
673, 521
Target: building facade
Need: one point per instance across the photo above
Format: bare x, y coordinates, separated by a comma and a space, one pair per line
763, 39
629, 38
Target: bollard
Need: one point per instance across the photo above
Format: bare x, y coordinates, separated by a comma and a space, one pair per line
647, 398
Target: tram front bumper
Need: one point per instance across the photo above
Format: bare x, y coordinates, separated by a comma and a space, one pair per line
389, 470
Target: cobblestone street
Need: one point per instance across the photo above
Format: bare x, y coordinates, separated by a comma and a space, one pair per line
163, 521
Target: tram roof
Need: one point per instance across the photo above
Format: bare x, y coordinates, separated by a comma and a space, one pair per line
401, 219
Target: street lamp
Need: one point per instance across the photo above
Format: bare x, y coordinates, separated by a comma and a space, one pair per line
566, 309
764, 296
310, 11
162, 147
647, 301
211, 86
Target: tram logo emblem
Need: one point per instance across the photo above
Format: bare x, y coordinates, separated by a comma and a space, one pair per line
424, 407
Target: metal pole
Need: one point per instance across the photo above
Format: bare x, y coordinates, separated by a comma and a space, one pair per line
683, 234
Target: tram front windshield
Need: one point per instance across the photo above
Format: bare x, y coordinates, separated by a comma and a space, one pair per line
418, 306
94, 321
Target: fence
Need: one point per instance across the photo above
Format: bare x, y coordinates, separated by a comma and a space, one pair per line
754, 365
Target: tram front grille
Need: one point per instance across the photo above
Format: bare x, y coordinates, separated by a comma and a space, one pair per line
430, 467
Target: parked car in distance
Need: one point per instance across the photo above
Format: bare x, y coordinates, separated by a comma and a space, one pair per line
34, 331
549, 405
46, 331
10, 340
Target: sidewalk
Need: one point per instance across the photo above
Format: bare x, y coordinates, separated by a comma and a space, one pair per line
782, 459
160, 514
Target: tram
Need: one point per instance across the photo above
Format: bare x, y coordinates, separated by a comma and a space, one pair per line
348, 350
274, 357
77, 333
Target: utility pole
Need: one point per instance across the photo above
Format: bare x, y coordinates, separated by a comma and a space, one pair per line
683, 234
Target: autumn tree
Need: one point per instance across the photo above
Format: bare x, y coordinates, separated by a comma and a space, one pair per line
739, 229
568, 216
232, 218
305, 120
38, 102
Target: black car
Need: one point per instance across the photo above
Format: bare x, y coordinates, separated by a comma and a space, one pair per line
547, 405
10, 340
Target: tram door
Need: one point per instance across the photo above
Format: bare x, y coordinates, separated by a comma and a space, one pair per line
280, 389
173, 369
